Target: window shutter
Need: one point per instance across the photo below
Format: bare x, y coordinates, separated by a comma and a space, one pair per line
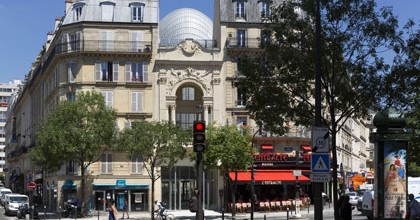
145, 72
140, 102
78, 40
115, 66
71, 70
134, 101
109, 164
133, 165
64, 40
103, 163
128, 71
98, 71
110, 99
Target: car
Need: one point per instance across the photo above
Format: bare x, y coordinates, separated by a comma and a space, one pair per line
13, 201
359, 203
368, 203
3, 192
353, 198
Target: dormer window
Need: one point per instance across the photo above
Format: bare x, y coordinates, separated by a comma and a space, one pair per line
107, 9
265, 10
240, 9
77, 11
137, 11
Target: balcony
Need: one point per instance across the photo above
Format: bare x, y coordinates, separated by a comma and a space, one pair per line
104, 46
172, 43
244, 45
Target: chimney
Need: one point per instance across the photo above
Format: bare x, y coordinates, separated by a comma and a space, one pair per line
68, 5
57, 23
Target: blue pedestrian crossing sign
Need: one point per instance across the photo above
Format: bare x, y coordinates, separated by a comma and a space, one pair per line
320, 163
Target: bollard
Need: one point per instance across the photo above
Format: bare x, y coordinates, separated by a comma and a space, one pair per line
287, 213
309, 205
98, 214
59, 212
45, 212
265, 217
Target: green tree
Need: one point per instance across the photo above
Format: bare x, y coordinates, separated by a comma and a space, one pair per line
403, 90
280, 83
157, 144
78, 131
228, 150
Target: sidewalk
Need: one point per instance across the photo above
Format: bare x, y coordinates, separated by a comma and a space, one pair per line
209, 214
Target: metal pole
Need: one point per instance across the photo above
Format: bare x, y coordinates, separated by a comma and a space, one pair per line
252, 178
200, 211
318, 186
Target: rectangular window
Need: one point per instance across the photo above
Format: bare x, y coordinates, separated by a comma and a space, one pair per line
188, 94
137, 165
74, 41
71, 71
71, 96
241, 97
240, 9
71, 167
265, 38
136, 102
109, 98
136, 41
185, 120
106, 71
107, 41
137, 72
241, 38
106, 163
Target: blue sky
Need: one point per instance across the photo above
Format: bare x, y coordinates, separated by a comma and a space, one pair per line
24, 25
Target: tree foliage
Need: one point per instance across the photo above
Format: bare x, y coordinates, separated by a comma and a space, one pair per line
157, 144
229, 149
280, 83
76, 131
403, 88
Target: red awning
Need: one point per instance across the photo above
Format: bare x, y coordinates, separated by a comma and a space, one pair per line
306, 147
268, 175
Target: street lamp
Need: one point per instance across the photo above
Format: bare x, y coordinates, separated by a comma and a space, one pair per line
253, 196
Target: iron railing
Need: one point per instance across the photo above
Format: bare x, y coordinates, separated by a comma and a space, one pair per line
104, 46
233, 42
172, 43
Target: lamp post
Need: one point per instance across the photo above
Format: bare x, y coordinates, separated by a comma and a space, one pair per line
253, 177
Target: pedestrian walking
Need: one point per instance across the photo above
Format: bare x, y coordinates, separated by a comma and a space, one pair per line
125, 210
112, 210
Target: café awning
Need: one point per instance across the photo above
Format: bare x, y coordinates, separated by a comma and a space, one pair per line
268, 175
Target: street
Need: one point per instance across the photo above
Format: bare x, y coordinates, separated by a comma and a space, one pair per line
328, 214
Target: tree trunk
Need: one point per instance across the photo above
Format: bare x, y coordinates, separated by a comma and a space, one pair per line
152, 194
334, 165
82, 186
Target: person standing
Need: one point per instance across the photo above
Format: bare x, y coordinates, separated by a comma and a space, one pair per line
125, 210
112, 210
345, 208
413, 208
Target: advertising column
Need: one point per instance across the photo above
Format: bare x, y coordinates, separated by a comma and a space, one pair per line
395, 179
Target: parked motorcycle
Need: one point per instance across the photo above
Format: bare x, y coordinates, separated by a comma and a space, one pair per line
23, 210
71, 209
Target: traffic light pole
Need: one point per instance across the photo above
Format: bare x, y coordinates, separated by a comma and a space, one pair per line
199, 164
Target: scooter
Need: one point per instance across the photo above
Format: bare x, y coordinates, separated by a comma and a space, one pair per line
23, 210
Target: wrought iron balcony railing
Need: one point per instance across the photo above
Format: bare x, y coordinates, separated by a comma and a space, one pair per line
233, 42
104, 46
172, 43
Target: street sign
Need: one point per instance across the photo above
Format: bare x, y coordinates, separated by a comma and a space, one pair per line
320, 177
320, 163
32, 186
297, 172
320, 140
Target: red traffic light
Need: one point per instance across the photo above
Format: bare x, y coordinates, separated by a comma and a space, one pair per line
199, 126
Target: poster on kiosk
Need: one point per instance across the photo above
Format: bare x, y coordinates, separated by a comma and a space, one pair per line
395, 183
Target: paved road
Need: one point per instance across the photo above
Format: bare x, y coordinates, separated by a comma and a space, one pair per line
328, 214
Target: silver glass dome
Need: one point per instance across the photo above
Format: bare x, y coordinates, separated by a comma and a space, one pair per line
185, 23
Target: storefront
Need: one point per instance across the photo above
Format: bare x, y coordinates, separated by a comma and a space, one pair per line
136, 194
